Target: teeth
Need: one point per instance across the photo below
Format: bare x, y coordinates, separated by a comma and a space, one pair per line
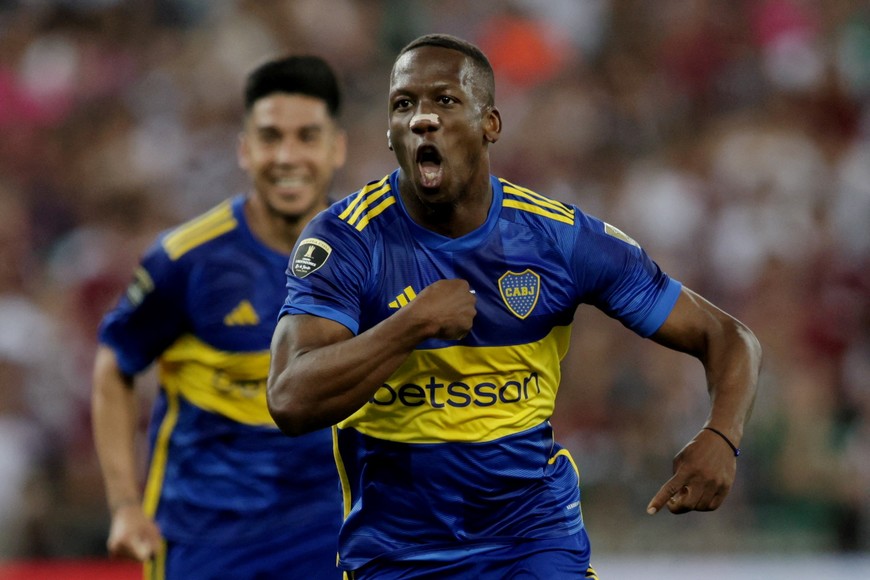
290, 182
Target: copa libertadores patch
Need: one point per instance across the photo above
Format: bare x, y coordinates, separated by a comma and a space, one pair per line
310, 256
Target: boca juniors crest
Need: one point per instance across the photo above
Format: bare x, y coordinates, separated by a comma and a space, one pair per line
520, 291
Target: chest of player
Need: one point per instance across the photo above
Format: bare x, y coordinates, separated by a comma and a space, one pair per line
522, 284
234, 301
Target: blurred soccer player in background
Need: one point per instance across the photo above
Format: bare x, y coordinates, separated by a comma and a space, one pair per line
227, 494
427, 316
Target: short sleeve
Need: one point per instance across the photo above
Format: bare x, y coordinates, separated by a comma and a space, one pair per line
617, 276
327, 273
150, 315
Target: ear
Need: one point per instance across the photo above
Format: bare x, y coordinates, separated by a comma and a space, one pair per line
340, 155
389, 141
492, 125
243, 152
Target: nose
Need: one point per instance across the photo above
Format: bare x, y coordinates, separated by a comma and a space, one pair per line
423, 122
287, 151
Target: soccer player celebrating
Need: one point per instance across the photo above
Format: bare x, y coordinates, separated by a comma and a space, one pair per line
426, 318
227, 494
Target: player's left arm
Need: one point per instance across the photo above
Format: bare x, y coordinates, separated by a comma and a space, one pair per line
704, 470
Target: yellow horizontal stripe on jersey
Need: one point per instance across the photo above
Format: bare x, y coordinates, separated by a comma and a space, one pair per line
232, 384
536, 198
200, 230
466, 394
361, 196
535, 209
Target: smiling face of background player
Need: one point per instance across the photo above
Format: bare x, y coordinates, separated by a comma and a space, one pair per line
290, 148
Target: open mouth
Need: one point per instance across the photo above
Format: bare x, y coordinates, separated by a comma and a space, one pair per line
291, 182
429, 163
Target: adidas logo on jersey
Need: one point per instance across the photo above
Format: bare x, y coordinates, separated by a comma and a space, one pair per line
242, 315
402, 299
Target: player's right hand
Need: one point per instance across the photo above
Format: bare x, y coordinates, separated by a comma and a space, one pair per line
450, 306
133, 535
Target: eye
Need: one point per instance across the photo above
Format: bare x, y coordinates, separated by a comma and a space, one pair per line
310, 134
401, 104
269, 135
446, 100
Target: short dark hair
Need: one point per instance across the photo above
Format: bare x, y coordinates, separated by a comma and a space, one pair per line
298, 74
478, 58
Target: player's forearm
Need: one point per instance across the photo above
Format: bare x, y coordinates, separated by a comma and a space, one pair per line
729, 351
114, 411
732, 364
322, 386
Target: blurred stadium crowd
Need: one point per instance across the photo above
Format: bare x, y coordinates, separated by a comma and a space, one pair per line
731, 138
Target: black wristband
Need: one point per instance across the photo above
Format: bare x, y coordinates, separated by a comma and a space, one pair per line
733, 447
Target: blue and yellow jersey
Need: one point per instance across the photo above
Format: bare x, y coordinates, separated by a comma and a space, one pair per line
455, 450
203, 303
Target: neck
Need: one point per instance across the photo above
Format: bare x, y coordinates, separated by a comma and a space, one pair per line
453, 220
453, 217
275, 230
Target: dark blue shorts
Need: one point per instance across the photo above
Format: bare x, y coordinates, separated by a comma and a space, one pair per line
563, 558
278, 557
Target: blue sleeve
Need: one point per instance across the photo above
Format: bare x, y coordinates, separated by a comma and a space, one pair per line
327, 273
617, 276
150, 316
